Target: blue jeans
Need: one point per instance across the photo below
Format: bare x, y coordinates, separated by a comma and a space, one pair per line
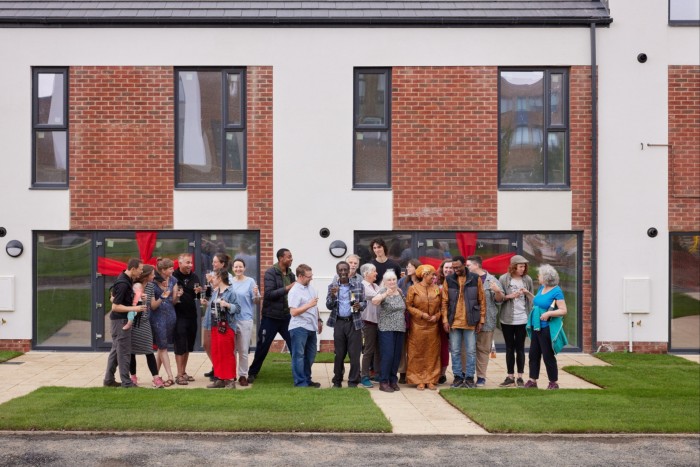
390, 350
303, 355
457, 336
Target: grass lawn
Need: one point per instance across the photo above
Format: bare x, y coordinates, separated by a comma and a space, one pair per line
6, 355
271, 404
642, 394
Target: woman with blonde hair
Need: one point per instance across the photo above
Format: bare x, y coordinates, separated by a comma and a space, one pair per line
424, 303
392, 328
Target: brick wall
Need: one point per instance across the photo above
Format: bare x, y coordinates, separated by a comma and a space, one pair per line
444, 146
580, 147
445, 135
260, 185
121, 147
684, 153
637, 347
16, 345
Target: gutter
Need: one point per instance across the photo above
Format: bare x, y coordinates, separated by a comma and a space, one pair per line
594, 191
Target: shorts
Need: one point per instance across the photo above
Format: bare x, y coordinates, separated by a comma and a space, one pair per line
185, 335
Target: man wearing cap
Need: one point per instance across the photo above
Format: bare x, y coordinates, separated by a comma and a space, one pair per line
463, 315
514, 310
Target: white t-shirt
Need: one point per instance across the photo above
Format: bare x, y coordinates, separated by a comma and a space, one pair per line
298, 296
519, 309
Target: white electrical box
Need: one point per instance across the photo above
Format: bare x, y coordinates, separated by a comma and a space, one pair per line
7, 293
637, 298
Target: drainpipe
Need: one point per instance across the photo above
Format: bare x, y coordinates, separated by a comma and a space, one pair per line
594, 191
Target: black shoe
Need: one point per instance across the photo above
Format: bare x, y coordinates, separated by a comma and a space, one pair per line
314, 384
337, 385
442, 380
251, 379
209, 374
112, 384
457, 383
469, 382
395, 386
402, 378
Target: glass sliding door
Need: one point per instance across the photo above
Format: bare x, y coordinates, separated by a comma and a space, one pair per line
685, 292
63, 289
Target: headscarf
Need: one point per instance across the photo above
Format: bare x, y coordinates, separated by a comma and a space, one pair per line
424, 269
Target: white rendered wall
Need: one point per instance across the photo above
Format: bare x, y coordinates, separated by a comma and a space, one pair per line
312, 133
633, 190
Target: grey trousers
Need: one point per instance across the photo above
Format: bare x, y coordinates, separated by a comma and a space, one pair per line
370, 352
120, 354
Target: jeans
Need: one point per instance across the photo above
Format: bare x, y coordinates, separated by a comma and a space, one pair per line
514, 335
390, 350
266, 334
457, 336
244, 329
541, 346
303, 355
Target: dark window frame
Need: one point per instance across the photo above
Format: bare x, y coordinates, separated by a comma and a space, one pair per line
359, 127
680, 22
547, 128
36, 127
225, 128
671, 235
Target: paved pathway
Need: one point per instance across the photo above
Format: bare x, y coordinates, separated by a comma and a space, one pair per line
410, 411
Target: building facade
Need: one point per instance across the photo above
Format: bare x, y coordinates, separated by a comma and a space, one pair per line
570, 136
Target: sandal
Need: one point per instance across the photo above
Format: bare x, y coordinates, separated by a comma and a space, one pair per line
189, 378
168, 382
181, 380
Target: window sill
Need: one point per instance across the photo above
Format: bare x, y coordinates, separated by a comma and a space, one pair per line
49, 187
534, 188
210, 188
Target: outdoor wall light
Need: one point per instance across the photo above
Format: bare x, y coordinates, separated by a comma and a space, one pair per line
338, 248
642, 58
652, 232
324, 232
14, 248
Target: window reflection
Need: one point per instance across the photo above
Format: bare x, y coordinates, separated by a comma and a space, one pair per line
685, 291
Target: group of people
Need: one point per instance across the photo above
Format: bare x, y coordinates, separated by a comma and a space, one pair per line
394, 329
154, 307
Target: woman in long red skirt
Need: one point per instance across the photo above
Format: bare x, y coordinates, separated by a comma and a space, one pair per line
223, 308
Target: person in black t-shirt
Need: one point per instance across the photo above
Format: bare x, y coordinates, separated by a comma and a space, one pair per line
186, 311
381, 262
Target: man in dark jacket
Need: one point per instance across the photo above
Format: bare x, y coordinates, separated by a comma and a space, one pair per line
123, 303
279, 280
463, 315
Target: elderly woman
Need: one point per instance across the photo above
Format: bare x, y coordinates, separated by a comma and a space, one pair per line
370, 354
220, 262
545, 327
223, 309
513, 318
392, 328
424, 303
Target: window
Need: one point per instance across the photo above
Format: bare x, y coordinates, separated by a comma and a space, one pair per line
683, 12
211, 128
534, 129
685, 291
50, 127
372, 128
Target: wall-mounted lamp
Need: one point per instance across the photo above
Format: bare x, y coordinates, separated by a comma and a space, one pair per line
338, 248
14, 248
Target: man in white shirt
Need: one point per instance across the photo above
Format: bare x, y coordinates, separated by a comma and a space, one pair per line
304, 324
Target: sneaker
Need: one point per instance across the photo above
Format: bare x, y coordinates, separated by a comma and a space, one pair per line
552, 385
530, 384
480, 382
158, 382
520, 383
457, 383
314, 384
134, 379
366, 382
385, 387
375, 378
469, 382
442, 380
508, 382
218, 384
